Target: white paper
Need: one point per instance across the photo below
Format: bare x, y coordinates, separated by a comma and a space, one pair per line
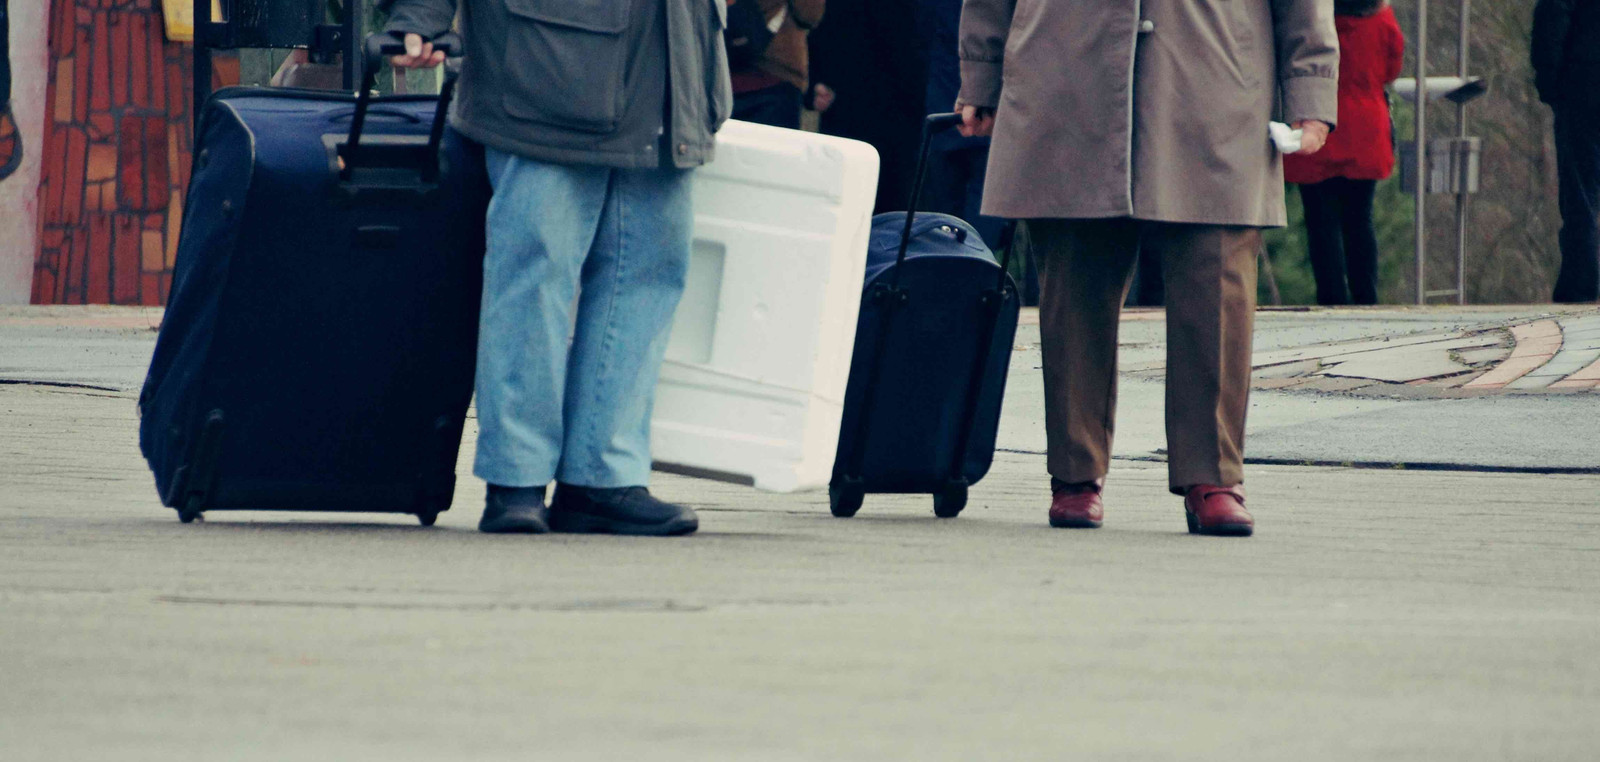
1286, 138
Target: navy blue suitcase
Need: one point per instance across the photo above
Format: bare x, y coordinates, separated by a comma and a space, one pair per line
933, 346
318, 347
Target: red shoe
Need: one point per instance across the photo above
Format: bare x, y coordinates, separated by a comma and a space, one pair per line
1217, 510
1076, 506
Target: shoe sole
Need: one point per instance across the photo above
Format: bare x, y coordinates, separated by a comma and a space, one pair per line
582, 523
1074, 523
514, 526
1219, 530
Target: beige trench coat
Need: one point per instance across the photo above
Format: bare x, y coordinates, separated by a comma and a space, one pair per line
1156, 110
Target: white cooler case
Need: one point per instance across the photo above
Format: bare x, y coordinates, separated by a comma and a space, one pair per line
753, 386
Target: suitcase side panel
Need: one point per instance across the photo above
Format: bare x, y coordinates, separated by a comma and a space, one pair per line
217, 190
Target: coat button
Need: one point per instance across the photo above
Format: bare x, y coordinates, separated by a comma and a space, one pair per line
1147, 26
683, 148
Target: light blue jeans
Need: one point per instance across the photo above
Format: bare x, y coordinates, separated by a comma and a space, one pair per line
562, 398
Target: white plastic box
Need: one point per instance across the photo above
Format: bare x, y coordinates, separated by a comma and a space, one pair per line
753, 387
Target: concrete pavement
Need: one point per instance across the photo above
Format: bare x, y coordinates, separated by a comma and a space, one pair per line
1378, 615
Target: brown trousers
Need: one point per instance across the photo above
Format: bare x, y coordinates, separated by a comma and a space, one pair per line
1085, 268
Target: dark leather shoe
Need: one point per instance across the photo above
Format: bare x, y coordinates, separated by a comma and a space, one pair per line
514, 510
1076, 506
1217, 511
623, 510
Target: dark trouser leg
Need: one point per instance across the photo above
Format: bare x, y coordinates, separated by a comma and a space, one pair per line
1578, 164
1360, 240
1084, 269
1211, 302
1324, 242
1151, 287
778, 106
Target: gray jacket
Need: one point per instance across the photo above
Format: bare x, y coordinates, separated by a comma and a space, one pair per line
586, 81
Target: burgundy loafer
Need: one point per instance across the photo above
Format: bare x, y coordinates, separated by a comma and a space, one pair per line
1076, 506
1217, 510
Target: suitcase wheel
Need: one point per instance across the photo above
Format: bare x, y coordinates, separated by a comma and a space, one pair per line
428, 517
190, 511
948, 504
845, 501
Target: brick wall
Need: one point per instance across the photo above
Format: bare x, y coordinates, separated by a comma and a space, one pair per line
116, 153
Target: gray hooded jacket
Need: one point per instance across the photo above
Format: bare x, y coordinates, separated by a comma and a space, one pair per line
601, 82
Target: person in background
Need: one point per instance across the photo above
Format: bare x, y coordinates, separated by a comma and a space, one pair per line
1338, 183
956, 163
771, 88
1117, 124
1566, 70
870, 54
590, 141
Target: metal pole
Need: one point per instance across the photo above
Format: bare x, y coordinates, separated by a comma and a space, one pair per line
1462, 47
1420, 224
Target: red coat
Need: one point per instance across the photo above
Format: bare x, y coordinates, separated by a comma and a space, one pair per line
1362, 148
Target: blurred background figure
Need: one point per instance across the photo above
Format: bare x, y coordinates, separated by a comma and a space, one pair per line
1337, 184
769, 61
870, 54
955, 164
10, 138
1566, 66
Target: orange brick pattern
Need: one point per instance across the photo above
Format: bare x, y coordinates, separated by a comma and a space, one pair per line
116, 153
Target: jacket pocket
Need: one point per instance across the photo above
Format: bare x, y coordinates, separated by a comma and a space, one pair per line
566, 61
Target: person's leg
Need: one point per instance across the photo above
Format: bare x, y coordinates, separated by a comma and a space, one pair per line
1324, 243
631, 285
1360, 240
542, 222
1578, 166
778, 106
1211, 301
1084, 271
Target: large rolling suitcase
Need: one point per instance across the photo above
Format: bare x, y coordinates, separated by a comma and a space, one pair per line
318, 348
933, 345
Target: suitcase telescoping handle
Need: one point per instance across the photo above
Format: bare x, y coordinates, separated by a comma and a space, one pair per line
389, 44
932, 125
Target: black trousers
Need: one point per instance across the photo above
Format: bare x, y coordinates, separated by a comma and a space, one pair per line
778, 105
1578, 166
1342, 243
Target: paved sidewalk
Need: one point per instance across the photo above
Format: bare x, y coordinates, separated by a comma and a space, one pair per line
1380, 614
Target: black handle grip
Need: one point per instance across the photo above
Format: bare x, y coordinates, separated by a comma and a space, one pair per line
383, 44
936, 122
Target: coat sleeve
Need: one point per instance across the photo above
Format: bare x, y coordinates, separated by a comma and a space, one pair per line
1308, 59
1396, 54
985, 24
429, 18
807, 14
1552, 23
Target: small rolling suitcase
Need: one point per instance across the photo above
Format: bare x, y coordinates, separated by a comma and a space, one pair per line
933, 344
318, 348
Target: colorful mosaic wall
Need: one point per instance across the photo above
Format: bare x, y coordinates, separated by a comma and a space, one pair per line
116, 153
